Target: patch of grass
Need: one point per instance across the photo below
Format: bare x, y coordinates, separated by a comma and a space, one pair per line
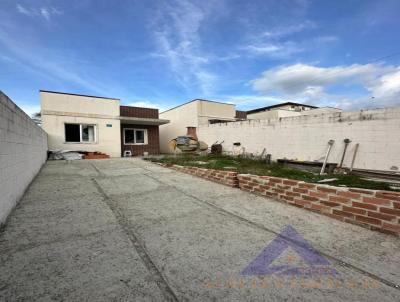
259, 167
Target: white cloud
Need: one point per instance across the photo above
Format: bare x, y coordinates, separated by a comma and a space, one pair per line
274, 49
178, 41
307, 83
43, 12
289, 29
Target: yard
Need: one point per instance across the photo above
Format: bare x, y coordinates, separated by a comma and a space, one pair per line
259, 167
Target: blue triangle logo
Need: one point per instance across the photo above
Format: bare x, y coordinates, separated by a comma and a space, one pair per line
316, 264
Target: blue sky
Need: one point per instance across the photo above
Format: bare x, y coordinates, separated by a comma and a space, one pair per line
163, 53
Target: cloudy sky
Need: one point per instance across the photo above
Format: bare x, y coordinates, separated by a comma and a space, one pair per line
165, 52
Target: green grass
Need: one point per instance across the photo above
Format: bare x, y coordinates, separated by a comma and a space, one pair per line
258, 167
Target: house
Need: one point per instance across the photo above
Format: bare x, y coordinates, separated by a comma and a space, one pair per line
93, 123
193, 114
279, 110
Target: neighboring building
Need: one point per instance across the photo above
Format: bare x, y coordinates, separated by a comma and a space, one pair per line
91, 123
193, 114
279, 110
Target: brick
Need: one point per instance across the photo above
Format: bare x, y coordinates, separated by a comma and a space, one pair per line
302, 202
283, 187
396, 193
306, 186
391, 227
310, 198
320, 207
396, 205
330, 204
387, 195
369, 192
349, 194
369, 220
290, 182
339, 199
275, 180
390, 211
288, 198
300, 190
326, 190
293, 194
318, 194
276, 190
377, 201
354, 210
342, 213
364, 205
381, 216
259, 190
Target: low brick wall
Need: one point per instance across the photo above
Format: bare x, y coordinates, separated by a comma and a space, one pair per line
377, 210
373, 209
228, 178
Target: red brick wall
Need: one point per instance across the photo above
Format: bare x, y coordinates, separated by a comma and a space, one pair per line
138, 112
373, 209
377, 210
228, 178
153, 146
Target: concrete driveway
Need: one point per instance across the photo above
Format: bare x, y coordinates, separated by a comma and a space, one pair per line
129, 230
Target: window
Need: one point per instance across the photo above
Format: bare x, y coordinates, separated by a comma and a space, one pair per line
135, 136
80, 133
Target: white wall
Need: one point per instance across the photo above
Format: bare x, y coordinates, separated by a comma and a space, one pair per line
23, 150
305, 137
194, 114
58, 109
180, 118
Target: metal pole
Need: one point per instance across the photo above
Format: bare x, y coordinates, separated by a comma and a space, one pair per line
330, 143
346, 143
354, 157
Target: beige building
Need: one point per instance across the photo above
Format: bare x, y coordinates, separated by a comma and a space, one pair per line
279, 110
193, 114
91, 123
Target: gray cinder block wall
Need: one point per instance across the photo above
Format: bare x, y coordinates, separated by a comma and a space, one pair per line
23, 151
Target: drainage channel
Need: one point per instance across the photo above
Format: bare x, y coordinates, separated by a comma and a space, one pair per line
260, 226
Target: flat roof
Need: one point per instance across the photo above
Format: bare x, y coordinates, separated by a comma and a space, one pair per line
279, 105
90, 96
203, 100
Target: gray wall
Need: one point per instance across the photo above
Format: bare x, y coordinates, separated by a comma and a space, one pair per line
23, 150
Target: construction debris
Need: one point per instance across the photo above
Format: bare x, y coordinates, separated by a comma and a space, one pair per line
64, 155
75, 155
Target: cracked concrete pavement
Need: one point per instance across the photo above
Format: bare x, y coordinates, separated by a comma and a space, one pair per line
130, 230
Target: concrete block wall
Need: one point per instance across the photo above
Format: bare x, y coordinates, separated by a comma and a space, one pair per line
306, 137
377, 210
23, 150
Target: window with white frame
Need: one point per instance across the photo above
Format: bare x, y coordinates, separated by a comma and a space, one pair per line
80, 133
135, 136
